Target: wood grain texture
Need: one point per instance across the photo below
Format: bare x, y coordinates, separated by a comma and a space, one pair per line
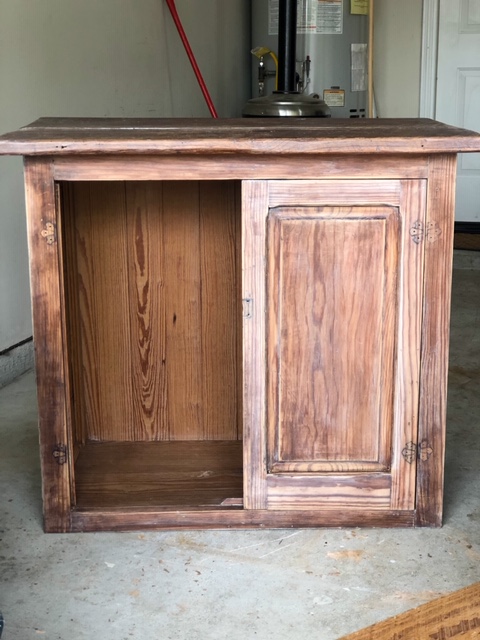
64, 136
158, 474
144, 519
154, 310
236, 167
344, 302
254, 216
146, 304
334, 491
454, 615
48, 326
409, 340
331, 337
435, 339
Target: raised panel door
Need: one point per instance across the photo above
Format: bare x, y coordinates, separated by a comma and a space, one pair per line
336, 350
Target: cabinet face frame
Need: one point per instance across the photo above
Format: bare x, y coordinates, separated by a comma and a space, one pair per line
51, 344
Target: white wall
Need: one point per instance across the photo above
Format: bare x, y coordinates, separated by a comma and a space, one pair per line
104, 58
397, 51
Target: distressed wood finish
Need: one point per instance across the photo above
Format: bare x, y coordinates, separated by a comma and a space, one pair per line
48, 322
176, 475
153, 313
344, 305
139, 281
435, 340
236, 167
143, 519
278, 136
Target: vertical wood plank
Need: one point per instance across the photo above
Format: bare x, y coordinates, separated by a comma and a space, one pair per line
104, 309
45, 278
409, 339
72, 313
146, 288
220, 310
181, 250
254, 215
435, 338
238, 293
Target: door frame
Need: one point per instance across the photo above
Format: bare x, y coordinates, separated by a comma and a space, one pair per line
429, 61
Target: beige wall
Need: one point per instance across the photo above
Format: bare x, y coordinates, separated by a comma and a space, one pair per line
104, 58
397, 51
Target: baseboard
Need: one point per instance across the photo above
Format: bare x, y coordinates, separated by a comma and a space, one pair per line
15, 361
467, 227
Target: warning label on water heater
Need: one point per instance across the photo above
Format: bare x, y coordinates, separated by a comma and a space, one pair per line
313, 16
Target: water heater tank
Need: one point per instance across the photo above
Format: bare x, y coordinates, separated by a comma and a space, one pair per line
331, 51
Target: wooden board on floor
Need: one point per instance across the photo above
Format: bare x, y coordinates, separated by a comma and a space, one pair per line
160, 474
452, 616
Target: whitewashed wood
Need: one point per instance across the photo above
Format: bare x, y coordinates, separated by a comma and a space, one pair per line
254, 209
238, 166
409, 331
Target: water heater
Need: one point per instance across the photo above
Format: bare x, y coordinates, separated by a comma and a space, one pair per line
331, 52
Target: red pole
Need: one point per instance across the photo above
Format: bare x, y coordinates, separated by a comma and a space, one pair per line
191, 57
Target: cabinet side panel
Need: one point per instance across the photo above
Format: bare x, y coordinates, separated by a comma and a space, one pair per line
48, 326
435, 339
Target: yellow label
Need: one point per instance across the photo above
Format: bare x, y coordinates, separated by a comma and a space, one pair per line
359, 7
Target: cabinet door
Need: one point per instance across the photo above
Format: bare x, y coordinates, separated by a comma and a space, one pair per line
332, 320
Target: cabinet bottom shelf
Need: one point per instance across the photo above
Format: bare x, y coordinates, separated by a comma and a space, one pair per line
171, 475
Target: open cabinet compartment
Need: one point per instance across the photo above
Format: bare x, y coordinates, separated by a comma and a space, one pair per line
153, 343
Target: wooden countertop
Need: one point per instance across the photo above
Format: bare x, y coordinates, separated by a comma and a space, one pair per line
265, 136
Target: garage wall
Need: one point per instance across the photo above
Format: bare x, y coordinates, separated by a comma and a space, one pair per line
397, 51
103, 58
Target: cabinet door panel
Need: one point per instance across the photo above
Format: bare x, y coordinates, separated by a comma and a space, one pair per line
331, 337
335, 355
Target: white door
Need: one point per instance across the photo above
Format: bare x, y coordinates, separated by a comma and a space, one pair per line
458, 92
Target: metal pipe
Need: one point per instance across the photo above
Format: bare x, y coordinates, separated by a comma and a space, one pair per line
370, 59
287, 37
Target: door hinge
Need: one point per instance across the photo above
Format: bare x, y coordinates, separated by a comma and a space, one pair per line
60, 453
431, 233
411, 451
49, 233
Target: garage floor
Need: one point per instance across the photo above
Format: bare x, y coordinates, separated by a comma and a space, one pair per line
240, 585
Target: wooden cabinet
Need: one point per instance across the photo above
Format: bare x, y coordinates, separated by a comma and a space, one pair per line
240, 323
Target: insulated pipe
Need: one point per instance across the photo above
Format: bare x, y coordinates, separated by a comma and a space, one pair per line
191, 57
287, 36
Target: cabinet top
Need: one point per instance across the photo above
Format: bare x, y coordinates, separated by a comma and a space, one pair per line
277, 136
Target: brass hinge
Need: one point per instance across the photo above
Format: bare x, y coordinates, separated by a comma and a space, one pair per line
60, 453
49, 233
411, 451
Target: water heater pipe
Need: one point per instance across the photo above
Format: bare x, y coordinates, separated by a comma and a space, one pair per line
370, 60
287, 36
191, 57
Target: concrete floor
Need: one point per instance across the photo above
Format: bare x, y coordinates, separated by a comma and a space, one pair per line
239, 585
